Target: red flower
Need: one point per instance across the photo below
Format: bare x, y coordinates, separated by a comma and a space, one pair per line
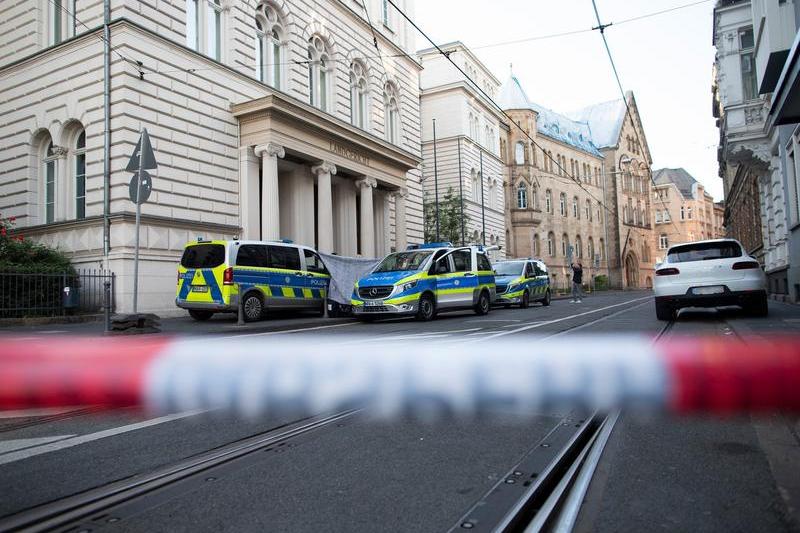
2, 232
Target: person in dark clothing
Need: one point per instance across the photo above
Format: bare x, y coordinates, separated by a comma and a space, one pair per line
577, 282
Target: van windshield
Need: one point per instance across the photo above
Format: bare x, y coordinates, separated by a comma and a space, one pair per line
203, 256
400, 261
510, 268
704, 251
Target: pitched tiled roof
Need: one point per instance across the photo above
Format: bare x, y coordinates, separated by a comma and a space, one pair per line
682, 179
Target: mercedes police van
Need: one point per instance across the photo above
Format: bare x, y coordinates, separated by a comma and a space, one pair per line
424, 280
215, 276
521, 281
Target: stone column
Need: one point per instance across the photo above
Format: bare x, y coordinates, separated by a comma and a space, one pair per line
64, 202
248, 193
365, 186
324, 171
270, 210
400, 235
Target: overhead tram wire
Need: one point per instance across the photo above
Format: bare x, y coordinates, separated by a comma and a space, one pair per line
490, 99
70, 14
602, 27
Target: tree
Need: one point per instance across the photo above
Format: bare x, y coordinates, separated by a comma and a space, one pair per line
449, 218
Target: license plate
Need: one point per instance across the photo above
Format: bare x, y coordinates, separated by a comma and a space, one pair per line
199, 288
708, 290
373, 303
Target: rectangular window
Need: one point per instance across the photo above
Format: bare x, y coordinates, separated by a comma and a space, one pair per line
793, 176
462, 260
214, 38
276, 63
662, 242
749, 89
252, 255
385, 12
55, 21
203, 256
80, 186
192, 22
50, 191
285, 257
658, 217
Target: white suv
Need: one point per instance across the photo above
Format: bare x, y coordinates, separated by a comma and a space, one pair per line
709, 274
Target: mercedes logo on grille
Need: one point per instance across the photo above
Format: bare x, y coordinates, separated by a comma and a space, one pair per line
373, 291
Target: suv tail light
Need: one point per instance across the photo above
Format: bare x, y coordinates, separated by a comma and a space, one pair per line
667, 272
227, 276
746, 265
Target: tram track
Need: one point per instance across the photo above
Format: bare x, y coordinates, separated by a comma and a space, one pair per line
33, 421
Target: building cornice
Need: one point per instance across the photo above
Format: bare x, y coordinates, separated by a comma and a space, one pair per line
470, 92
458, 46
154, 220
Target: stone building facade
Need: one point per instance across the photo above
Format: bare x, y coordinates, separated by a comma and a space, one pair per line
682, 211
269, 119
470, 134
550, 215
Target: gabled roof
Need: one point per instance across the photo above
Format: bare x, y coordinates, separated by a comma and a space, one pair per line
548, 123
678, 176
605, 120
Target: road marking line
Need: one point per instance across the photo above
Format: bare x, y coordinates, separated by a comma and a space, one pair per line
83, 439
533, 322
265, 333
572, 330
496, 320
8, 446
540, 324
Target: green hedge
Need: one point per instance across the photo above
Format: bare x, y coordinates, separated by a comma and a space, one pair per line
601, 282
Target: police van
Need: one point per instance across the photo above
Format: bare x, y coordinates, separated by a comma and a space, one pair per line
424, 280
215, 276
522, 281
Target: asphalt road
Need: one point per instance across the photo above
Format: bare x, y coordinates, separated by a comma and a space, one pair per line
357, 475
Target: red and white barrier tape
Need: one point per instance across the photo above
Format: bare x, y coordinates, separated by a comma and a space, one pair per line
304, 375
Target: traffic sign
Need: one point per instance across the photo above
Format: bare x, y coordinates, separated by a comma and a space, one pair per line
147, 159
144, 191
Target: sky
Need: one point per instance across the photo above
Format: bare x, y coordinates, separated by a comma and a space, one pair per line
665, 60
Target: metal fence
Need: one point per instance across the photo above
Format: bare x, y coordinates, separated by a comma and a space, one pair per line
31, 294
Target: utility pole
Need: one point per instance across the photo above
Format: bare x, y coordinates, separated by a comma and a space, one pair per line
435, 181
483, 204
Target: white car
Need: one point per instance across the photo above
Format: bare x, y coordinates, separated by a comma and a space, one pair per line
709, 273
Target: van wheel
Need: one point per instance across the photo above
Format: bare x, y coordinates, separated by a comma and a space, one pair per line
484, 305
546, 300
664, 311
253, 307
427, 308
526, 300
200, 315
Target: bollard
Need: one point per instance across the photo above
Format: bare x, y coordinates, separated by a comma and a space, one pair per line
107, 305
240, 307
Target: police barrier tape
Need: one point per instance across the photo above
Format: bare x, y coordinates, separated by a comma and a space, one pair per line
302, 375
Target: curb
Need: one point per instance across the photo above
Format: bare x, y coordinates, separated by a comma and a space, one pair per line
47, 320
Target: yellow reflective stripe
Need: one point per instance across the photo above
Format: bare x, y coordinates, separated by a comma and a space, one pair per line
403, 299
287, 292
356, 302
307, 293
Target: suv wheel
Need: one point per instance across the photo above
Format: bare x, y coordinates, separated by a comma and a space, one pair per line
253, 307
546, 300
484, 305
526, 300
427, 308
200, 314
664, 311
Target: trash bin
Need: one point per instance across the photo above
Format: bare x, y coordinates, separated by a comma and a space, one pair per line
70, 298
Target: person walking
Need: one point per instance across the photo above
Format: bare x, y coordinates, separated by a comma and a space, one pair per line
577, 282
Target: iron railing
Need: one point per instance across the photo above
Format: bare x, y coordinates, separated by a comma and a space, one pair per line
25, 293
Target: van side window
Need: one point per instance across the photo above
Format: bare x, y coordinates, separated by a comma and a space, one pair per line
314, 262
483, 262
440, 265
286, 257
529, 270
462, 260
252, 255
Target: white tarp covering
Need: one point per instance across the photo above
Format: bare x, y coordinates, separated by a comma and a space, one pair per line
345, 271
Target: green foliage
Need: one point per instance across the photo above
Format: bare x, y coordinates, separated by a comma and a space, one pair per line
601, 282
23, 255
449, 218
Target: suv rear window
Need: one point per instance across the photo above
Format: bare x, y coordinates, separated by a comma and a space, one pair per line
704, 251
203, 256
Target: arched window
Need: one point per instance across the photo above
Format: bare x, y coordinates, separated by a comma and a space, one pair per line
579, 247
588, 210
562, 204
475, 187
575, 210
80, 176
359, 92
551, 244
519, 153
564, 244
492, 203
602, 250
599, 212
548, 201
270, 34
522, 196
319, 70
214, 20
535, 247
391, 112
590, 249
49, 182
534, 197
487, 134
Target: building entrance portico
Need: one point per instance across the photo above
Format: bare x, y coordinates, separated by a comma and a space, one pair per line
308, 177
